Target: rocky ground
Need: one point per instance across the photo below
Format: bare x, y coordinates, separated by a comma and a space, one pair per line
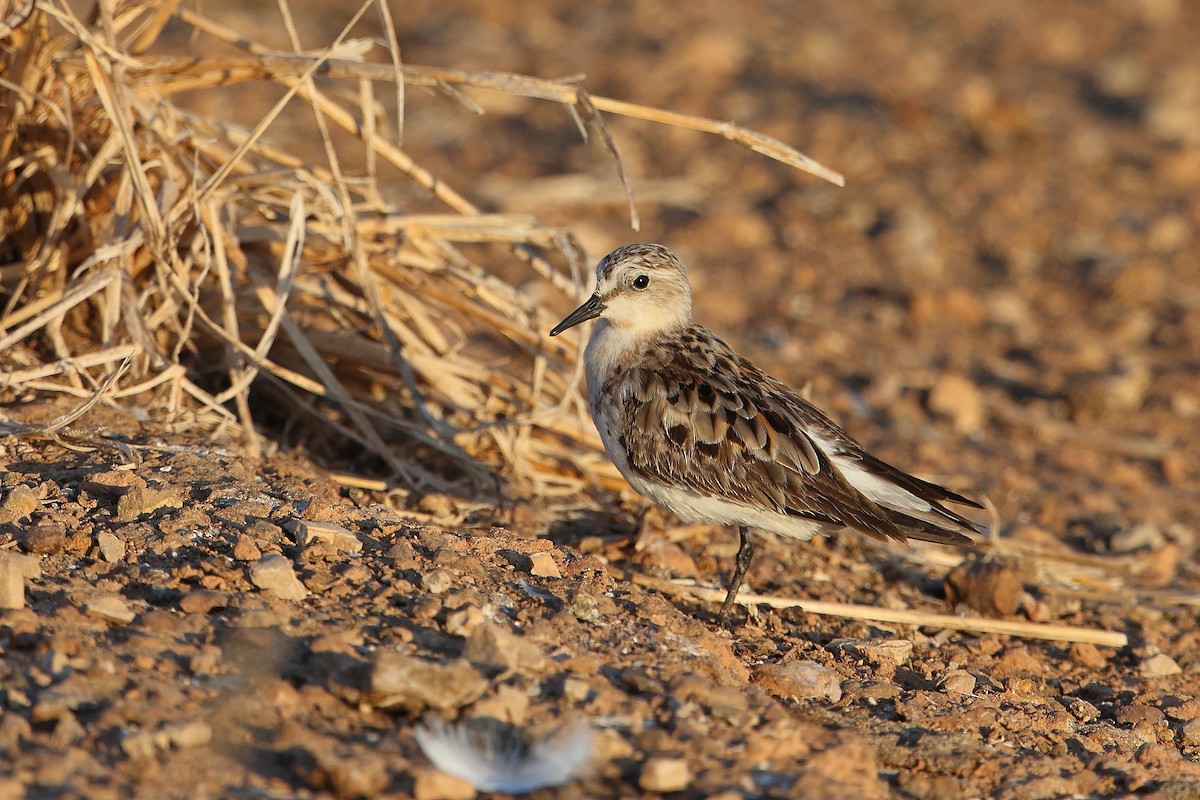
1004, 298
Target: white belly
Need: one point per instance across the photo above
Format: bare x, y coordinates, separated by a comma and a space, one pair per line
693, 507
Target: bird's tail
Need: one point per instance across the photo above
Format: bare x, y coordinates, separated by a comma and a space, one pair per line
929, 530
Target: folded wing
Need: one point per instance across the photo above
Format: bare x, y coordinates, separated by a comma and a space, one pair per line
700, 417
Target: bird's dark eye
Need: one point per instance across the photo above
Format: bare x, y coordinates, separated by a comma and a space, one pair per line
641, 281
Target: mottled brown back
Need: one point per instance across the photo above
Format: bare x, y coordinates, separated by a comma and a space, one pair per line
694, 414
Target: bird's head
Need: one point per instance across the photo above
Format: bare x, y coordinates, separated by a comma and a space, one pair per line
641, 289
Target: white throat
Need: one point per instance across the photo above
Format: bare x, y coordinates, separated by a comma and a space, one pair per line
608, 347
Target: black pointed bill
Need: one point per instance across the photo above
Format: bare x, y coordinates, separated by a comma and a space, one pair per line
589, 310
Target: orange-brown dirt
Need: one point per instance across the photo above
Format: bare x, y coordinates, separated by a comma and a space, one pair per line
1005, 298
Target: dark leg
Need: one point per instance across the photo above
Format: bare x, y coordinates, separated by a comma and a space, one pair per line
745, 555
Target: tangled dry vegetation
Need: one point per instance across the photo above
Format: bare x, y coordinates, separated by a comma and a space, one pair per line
186, 267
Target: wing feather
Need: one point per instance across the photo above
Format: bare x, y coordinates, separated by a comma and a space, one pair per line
699, 416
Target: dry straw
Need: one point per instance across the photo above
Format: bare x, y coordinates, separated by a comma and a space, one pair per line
179, 264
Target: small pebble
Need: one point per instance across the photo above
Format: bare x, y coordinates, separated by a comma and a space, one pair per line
1136, 713
246, 549
958, 680
663, 775
1081, 709
138, 745
508, 704
660, 556
1020, 685
1087, 655
195, 733
878, 652
437, 581
275, 574
310, 532
1189, 734
1160, 665
588, 607
45, 538
870, 692
18, 504
111, 483
726, 795
112, 547
357, 573
495, 648
638, 680
957, 397
347, 775
989, 587
437, 505
1017, 661
796, 680
145, 500
202, 601
1035, 610
30, 567
206, 660
403, 555
110, 607
1186, 711
462, 621
577, 690
542, 565
433, 784
414, 684
12, 585
426, 607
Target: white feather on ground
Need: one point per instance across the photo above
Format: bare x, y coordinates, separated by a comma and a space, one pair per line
497, 758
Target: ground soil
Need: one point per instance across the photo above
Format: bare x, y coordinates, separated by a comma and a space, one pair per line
1005, 298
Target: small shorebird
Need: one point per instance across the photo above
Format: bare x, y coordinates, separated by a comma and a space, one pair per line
703, 432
